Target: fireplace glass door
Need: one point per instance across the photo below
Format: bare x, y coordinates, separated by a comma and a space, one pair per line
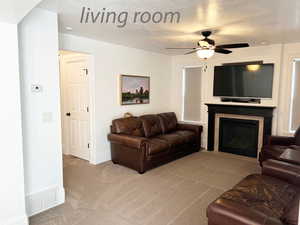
239, 136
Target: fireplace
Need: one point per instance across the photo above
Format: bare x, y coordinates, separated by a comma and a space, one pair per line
238, 129
239, 136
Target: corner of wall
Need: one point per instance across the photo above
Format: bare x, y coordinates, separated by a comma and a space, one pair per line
42, 192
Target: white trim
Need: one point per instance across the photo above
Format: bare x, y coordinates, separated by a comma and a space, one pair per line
299, 214
44, 199
260, 120
193, 122
17, 220
196, 66
92, 89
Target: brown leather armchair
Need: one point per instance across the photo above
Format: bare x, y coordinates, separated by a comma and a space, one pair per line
145, 142
268, 199
277, 144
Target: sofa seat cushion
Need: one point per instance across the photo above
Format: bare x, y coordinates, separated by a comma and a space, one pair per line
129, 126
172, 139
168, 122
189, 136
263, 194
151, 124
157, 145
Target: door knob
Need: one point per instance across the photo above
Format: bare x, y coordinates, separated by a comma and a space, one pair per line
68, 114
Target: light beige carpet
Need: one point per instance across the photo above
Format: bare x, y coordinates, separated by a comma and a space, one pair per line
174, 194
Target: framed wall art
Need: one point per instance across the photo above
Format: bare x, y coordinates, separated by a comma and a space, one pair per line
134, 89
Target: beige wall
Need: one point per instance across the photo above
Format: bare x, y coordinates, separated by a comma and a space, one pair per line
110, 61
12, 204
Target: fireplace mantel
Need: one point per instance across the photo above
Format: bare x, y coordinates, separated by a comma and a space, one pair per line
262, 111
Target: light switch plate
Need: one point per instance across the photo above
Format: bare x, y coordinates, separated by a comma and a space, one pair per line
47, 117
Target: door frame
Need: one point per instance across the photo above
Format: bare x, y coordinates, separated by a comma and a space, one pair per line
92, 95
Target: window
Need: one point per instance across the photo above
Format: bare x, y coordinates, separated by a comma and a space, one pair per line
295, 99
192, 94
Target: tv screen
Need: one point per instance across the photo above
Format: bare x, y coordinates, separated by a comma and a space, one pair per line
254, 81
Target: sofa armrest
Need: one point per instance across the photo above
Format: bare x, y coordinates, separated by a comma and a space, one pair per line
185, 126
282, 170
228, 212
127, 140
195, 128
281, 140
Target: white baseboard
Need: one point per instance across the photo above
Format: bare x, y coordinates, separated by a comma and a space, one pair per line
46, 199
22, 220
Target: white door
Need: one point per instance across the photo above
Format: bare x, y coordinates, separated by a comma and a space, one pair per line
75, 83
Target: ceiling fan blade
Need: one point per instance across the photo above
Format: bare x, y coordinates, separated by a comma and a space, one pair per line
180, 48
238, 45
222, 51
191, 52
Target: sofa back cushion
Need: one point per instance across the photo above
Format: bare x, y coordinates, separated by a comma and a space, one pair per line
297, 136
151, 125
168, 121
129, 126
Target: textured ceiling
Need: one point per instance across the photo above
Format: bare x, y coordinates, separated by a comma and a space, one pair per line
255, 21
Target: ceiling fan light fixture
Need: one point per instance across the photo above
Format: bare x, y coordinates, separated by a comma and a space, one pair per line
205, 53
204, 44
207, 47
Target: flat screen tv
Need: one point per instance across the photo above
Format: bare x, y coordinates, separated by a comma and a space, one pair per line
251, 81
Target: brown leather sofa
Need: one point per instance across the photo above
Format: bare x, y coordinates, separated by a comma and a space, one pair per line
147, 141
268, 199
277, 145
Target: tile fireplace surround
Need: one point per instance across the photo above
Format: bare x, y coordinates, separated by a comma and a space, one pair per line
260, 120
216, 112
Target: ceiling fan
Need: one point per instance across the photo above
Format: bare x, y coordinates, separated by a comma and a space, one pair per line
207, 48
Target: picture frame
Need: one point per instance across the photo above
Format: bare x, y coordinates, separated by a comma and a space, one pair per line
134, 89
